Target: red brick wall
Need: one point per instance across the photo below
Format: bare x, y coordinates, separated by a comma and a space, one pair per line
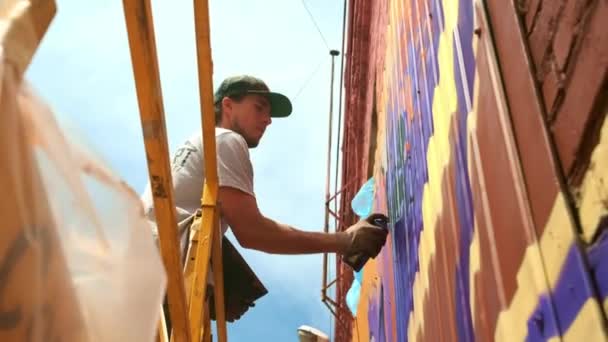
568, 45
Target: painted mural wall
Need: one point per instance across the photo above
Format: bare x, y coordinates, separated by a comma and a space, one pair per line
490, 154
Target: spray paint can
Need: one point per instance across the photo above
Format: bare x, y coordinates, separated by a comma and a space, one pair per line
357, 261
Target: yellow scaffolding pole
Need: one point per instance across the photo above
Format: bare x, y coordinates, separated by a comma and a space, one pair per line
191, 322
210, 225
140, 29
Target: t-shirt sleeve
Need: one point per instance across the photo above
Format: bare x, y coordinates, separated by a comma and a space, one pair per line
233, 163
187, 172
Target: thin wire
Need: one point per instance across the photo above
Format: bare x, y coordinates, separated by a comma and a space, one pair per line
315, 23
312, 74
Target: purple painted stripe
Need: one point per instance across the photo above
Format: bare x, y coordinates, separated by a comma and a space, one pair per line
407, 174
572, 290
417, 173
382, 332
464, 205
413, 181
440, 15
373, 315
425, 74
395, 176
598, 260
541, 326
433, 27
460, 83
386, 280
465, 28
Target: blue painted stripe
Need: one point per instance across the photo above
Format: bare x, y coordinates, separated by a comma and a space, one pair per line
571, 291
465, 29
464, 205
598, 260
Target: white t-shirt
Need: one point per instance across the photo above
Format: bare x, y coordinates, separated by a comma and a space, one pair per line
187, 168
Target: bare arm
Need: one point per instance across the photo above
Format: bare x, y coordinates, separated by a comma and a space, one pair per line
255, 231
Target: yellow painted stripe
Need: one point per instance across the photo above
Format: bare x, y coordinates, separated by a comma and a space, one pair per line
533, 275
585, 327
410, 327
474, 266
512, 323
557, 239
474, 250
594, 189
533, 278
369, 289
555, 243
438, 155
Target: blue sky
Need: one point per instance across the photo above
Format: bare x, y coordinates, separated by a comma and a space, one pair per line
83, 70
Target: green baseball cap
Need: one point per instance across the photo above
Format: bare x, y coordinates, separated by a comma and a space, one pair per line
280, 106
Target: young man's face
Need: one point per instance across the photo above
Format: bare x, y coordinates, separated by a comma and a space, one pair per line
248, 117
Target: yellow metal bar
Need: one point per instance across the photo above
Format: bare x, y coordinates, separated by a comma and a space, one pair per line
211, 234
162, 327
218, 278
205, 83
191, 257
198, 289
197, 266
191, 261
138, 16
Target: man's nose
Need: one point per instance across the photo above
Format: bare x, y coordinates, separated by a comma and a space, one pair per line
267, 119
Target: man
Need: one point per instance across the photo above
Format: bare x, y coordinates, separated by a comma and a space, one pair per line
244, 108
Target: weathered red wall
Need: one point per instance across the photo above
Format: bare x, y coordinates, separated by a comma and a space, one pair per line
484, 125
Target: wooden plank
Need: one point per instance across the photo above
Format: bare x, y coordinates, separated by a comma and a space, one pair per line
140, 28
22, 26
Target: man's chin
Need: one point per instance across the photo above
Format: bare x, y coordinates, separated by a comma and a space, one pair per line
251, 143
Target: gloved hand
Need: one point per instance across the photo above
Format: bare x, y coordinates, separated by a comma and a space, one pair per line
364, 237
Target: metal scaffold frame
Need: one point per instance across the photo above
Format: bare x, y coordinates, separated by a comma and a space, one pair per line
188, 310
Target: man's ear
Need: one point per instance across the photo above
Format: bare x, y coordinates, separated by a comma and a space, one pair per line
227, 105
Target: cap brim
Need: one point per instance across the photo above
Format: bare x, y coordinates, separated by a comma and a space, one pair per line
280, 106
